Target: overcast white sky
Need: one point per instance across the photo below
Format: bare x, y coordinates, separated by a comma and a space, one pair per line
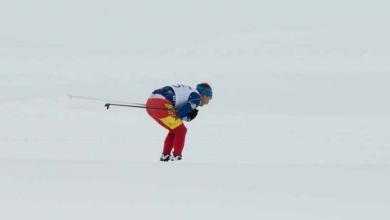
134, 26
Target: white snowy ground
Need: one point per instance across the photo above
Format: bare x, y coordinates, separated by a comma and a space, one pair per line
298, 128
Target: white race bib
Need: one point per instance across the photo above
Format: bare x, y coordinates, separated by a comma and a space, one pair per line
182, 93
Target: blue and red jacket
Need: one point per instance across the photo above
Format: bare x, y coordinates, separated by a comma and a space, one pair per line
182, 109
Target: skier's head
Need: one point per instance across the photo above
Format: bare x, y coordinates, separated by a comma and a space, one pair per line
206, 93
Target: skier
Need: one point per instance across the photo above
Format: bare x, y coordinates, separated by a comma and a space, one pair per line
170, 106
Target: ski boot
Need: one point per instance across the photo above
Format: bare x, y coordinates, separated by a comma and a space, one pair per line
174, 158
165, 157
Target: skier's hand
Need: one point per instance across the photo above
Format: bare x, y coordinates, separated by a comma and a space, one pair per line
192, 114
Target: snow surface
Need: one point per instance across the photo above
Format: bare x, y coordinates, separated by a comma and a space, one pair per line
298, 128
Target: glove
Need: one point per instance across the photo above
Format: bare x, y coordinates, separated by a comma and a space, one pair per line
192, 114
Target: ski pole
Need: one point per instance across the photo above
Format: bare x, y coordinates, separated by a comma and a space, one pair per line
100, 99
107, 105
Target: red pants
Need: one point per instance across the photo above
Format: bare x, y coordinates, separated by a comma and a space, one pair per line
162, 111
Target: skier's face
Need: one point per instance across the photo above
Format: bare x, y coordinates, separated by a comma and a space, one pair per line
205, 100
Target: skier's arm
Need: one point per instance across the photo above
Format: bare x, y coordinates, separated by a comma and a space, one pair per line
192, 103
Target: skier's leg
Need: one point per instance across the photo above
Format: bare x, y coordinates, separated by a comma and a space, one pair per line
166, 118
180, 136
168, 144
157, 114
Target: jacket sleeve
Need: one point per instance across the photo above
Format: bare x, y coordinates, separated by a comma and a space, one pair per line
192, 103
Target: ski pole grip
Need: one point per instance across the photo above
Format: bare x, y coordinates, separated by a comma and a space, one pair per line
107, 105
